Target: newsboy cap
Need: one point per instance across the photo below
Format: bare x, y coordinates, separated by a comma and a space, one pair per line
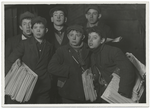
39, 19
93, 6
75, 27
25, 15
61, 8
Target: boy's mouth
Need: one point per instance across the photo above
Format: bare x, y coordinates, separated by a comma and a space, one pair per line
90, 44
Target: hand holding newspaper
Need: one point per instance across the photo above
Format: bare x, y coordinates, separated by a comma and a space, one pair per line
111, 94
20, 82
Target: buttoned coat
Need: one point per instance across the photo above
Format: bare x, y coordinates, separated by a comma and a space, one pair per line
28, 52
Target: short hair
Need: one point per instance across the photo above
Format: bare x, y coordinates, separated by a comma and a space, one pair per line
97, 30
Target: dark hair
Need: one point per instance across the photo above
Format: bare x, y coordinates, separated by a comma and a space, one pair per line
97, 30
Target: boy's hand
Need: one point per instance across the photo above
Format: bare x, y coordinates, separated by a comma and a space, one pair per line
19, 63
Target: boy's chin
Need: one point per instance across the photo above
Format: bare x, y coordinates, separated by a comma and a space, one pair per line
91, 47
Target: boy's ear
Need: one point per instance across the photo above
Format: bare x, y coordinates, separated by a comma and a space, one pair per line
99, 16
86, 16
102, 40
46, 30
20, 27
52, 19
65, 19
83, 37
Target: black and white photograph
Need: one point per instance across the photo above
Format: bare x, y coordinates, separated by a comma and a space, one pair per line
75, 53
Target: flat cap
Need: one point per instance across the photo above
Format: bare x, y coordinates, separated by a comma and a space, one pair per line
56, 9
25, 15
39, 19
75, 27
93, 6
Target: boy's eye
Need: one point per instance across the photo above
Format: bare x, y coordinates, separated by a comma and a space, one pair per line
95, 13
88, 13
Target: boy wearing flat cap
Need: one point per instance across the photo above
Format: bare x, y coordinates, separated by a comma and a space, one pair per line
57, 35
25, 26
93, 16
36, 53
66, 63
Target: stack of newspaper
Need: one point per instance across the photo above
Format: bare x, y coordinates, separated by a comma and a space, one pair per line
20, 82
88, 86
111, 94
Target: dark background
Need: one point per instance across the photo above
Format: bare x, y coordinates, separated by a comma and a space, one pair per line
126, 20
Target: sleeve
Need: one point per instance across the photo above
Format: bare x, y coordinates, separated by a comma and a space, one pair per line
14, 55
57, 65
127, 73
8, 48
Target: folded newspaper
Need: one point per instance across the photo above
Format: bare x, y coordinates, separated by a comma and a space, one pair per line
20, 82
111, 94
88, 86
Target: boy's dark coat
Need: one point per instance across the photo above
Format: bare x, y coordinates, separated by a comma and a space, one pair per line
50, 37
11, 44
28, 53
64, 66
107, 59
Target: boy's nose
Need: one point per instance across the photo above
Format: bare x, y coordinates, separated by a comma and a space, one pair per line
91, 16
74, 37
58, 16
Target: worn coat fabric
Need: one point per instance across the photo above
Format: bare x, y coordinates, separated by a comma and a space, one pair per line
69, 72
11, 44
50, 37
107, 59
27, 51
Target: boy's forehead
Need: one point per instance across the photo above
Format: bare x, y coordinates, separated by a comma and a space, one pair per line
38, 24
26, 20
74, 31
92, 10
58, 12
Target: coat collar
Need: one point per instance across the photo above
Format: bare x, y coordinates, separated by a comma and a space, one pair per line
85, 50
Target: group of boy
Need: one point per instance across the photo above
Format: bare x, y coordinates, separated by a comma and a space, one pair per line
60, 58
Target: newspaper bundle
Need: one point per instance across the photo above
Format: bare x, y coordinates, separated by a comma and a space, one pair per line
89, 91
20, 82
111, 94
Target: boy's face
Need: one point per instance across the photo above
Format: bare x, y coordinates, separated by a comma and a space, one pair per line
39, 30
92, 16
58, 18
75, 37
94, 40
26, 27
